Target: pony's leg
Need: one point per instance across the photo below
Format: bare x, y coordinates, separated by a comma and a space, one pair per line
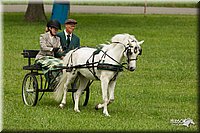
82, 86
111, 87
105, 96
64, 99
70, 78
111, 91
104, 87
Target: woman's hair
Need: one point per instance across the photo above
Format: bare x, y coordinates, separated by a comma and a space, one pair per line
53, 23
47, 29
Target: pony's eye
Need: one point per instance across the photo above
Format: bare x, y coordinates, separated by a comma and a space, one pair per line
135, 50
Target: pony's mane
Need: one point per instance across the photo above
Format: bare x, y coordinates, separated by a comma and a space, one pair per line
106, 47
118, 38
122, 38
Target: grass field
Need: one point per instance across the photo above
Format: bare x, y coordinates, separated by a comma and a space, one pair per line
163, 87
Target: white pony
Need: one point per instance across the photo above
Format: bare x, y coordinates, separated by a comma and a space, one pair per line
98, 64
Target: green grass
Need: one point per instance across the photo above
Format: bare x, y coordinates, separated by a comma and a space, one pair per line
163, 87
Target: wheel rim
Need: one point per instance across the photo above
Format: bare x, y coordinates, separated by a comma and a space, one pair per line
30, 90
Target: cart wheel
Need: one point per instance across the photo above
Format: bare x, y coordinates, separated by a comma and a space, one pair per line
85, 94
30, 90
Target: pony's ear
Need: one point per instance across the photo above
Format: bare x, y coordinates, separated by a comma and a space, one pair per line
129, 40
141, 42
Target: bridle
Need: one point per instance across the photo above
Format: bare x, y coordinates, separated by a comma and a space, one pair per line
128, 51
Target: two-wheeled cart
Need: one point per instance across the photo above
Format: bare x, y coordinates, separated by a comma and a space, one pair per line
35, 82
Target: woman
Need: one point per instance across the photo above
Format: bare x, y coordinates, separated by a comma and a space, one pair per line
50, 48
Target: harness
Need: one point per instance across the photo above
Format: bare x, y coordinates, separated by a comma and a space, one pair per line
93, 63
100, 65
104, 66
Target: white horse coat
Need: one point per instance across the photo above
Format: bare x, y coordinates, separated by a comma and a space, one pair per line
122, 45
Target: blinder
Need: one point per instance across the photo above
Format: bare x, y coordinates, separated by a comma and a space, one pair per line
128, 53
140, 52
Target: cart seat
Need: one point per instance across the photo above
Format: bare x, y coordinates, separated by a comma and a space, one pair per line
31, 54
32, 67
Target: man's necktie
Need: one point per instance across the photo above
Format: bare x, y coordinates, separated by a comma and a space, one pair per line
68, 40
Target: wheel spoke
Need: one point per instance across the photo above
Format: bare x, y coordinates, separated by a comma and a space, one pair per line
29, 90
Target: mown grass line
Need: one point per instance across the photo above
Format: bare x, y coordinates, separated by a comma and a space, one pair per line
186, 4
163, 87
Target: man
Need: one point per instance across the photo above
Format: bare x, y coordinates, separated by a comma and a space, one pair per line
68, 39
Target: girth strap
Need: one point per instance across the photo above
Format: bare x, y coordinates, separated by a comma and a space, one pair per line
110, 67
87, 63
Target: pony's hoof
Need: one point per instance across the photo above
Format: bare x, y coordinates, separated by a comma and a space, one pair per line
107, 115
62, 106
96, 107
77, 110
111, 100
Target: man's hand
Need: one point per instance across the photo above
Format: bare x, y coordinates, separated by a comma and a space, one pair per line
61, 57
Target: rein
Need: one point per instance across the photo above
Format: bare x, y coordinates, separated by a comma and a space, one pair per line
119, 64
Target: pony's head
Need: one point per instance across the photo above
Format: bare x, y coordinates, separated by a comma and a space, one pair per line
132, 48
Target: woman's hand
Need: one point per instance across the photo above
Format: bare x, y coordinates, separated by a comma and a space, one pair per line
55, 50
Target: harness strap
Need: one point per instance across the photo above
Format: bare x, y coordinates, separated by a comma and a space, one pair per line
110, 67
93, 66
115, 76
105, 54
87, 63
70, 58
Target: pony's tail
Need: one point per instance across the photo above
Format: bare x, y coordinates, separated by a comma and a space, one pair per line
59, 90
